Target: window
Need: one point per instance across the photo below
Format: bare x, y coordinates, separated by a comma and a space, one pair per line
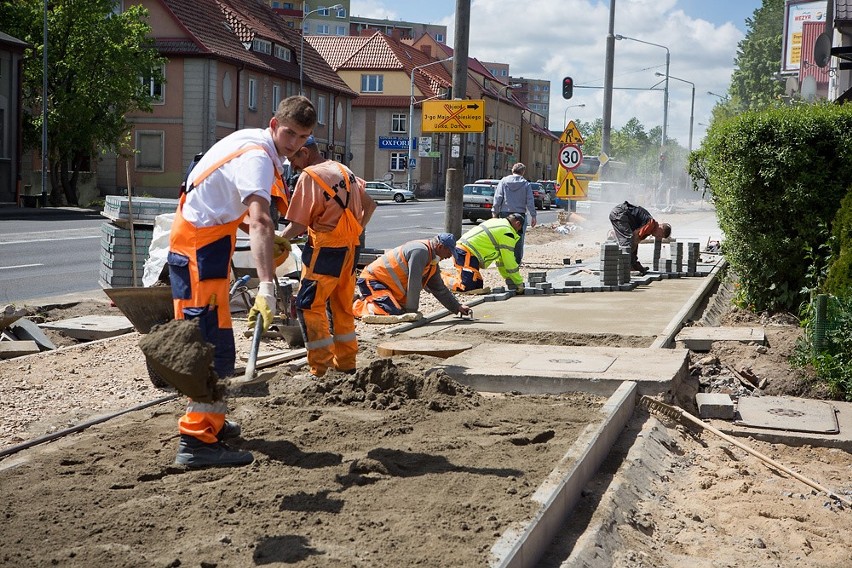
341, 13
322, 29
252, 94
155, 86
546, 88
398, 123
372, 83
397, 161
149, 150
287, 5
321, 109
282, 52
439, 38
276, 97
261, 46
322, 11
340, 30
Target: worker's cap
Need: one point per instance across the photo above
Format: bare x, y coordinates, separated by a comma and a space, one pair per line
446, 239
311, 141
517, 217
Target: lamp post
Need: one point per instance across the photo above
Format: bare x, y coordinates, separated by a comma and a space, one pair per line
302, 41
411, 118
722, 98
691, 107
565, 119
497, 132
665, 90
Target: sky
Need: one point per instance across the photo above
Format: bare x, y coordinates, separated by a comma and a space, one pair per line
551, 39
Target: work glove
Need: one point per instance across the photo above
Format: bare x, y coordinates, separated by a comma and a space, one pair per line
519, 290
264, 305
280, 250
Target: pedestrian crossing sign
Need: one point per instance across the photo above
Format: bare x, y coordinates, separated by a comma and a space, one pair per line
571, 135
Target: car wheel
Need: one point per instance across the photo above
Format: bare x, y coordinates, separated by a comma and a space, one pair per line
548, 207
399, 198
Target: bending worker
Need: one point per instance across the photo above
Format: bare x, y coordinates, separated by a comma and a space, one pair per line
493, 240
391, 284
332, 204
513, 194
232, 180
631, 224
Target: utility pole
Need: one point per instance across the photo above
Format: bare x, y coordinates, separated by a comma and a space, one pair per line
455, 171
610, 62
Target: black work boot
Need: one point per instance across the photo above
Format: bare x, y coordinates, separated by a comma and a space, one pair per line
193, 453
637, 266
229, 430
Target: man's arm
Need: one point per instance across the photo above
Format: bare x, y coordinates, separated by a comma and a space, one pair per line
417, 262
261, 237
436, 286
293, 230
531, 203
498, 199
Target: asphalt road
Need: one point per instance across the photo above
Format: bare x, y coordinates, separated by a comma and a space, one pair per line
53, 252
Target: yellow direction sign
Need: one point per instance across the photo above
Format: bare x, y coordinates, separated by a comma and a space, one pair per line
569, 185
453, 116
571, 135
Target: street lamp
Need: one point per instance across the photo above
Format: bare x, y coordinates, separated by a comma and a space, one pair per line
665, 90
722, 98
497, 133
565, 119
411, 117
302, 42
692, 106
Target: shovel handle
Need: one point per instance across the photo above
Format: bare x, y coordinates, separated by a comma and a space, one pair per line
255, 347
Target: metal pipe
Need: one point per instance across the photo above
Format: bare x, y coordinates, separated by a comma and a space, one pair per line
302, 40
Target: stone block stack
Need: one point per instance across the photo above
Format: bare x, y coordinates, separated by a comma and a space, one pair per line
611, 264
676, 255
117, 240
692, 256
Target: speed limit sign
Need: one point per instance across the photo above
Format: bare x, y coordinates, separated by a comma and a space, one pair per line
570, 156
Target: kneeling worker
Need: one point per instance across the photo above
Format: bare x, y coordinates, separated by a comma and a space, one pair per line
391, 284
631, 224
490, 241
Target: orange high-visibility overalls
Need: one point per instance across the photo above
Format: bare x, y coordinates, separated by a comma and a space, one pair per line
384, 283
200, 270
328, 279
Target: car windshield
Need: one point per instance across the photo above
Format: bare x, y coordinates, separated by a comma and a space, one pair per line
536, 186
485, 190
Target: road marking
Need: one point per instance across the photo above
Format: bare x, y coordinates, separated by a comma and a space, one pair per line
47, 239
19, 266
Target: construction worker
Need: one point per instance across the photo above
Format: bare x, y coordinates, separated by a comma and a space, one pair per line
392, 283
513, 194
232, 181
631, 224
332, 204
490, 241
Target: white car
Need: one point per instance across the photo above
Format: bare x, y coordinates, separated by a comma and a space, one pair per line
380, 190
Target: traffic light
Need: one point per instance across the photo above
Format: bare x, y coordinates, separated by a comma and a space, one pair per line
567, 88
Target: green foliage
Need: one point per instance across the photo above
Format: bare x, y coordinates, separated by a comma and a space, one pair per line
775, 176
832, 364
839, 279
753, 83
95, 61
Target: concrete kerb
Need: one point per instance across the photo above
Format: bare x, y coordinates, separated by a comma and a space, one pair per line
560, 492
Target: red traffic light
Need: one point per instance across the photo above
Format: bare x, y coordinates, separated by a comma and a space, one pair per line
567, 88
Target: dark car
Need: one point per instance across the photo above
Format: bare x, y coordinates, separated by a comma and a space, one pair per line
540, 196
549, 186
478, 201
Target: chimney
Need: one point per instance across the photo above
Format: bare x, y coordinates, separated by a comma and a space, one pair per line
396, 34
427, 49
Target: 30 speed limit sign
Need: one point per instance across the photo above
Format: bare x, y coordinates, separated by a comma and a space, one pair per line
570, 156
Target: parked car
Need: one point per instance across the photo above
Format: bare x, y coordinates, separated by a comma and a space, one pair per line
380, 190
540, 197
549, 186
478, 201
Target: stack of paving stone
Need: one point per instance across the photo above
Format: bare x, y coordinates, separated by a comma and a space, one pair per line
692, 255
611, 270
658, 247
676, 256
116, 248
538, 283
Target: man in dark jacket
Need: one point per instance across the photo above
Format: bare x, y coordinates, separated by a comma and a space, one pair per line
514, 195
631, 224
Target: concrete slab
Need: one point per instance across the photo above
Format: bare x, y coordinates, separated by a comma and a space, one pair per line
788, 413
432, 347
714, 405
702, 338
11, 349
540, 369
91, 327
25, 329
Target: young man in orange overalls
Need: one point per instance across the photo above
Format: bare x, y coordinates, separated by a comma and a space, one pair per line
232, 181
332, 204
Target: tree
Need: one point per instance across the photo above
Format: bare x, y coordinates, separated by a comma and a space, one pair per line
753, 83
100, 67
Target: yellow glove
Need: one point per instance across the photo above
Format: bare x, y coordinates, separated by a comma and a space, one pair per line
264, 304
280, 250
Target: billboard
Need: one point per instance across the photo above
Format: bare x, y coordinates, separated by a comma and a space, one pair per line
796, 13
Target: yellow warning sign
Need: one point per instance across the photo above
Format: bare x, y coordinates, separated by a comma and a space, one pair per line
568, 185
453, 116
571, 135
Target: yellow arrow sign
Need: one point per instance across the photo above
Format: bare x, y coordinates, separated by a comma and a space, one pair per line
453, 116
571, 135
569, 185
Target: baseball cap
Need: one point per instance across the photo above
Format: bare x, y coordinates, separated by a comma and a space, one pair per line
446, 239
311, 141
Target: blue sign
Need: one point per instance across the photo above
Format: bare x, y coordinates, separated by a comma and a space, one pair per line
394, 143
412, 163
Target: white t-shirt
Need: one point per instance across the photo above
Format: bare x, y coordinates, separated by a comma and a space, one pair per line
220, 197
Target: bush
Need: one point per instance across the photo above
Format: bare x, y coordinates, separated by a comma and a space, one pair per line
831, 360
839, 280
775, 175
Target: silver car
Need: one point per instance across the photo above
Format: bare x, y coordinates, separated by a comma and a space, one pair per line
380, 190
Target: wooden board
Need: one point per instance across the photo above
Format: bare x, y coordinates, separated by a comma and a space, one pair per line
432, 347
